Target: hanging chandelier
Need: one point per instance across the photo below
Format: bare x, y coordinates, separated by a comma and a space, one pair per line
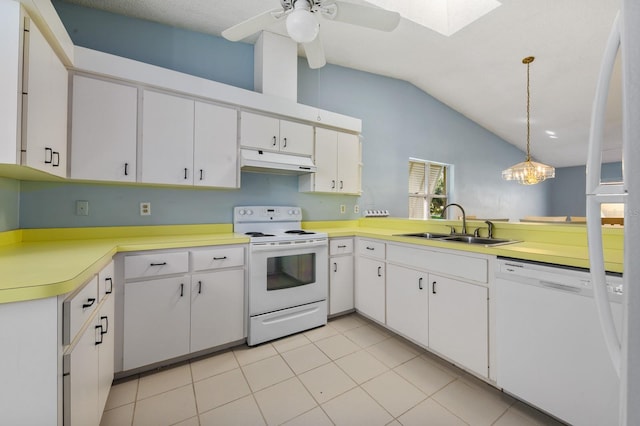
528, 172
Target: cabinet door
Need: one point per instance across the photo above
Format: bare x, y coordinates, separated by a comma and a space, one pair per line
103, 130
296, 138
370, 288
105, 320
217, 308
326, 154
259, 131
44, 109
167, 139
340, 284
156, 320
458, 322
408, 303
215, 159
348, 160
80, 381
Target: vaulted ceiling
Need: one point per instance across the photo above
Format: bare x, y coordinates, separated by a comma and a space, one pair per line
477, 71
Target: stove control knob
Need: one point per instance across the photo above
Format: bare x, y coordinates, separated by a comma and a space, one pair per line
241, 212
292, 212
249, 212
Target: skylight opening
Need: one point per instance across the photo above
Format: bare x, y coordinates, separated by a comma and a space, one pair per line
444, 16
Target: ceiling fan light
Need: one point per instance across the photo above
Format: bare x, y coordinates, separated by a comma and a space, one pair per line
302, 26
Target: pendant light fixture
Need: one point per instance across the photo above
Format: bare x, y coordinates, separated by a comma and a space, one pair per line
528, 172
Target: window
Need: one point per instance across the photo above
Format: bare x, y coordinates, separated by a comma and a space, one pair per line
428, 188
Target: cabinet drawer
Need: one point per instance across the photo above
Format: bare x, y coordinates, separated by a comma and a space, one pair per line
341, 246
105, 281
370, 248
151, 265
224, 257
78, 308
467, 267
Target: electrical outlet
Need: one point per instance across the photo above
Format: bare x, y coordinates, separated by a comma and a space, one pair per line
343, 209
356, 209
82, 208
145, 209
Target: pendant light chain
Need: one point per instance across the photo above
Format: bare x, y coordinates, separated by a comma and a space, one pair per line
528, 62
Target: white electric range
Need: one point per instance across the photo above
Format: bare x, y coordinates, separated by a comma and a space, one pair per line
288, 272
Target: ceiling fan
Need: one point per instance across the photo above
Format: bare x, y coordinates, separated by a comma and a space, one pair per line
303, 25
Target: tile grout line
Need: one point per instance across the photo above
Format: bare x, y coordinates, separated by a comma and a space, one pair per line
253, 396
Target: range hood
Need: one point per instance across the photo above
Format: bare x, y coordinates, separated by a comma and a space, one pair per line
273, 162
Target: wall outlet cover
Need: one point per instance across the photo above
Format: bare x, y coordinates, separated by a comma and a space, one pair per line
356, 209
145, 208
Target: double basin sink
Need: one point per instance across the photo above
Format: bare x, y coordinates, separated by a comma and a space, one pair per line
467, 239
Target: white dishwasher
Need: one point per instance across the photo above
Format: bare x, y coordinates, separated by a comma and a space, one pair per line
550, 351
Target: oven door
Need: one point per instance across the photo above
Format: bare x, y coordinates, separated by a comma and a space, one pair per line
287, 275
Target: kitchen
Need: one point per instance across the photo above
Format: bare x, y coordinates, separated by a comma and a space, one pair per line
36, 204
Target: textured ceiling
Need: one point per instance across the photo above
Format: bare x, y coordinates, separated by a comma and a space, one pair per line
476, 71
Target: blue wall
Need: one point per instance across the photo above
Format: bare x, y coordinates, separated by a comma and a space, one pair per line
567, 190
9, 204
399, 121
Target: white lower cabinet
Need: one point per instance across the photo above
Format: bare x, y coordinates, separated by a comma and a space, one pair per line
181, 302
458, 322
88, 362
341, 275
217, 308
370, 288
408, 303
157, 318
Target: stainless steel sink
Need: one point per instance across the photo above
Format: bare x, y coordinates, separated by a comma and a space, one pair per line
427, 235
487, 242
467, 239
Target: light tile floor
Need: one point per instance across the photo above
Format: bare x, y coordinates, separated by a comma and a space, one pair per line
349, 372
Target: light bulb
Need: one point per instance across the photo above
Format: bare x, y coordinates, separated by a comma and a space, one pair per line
302, 25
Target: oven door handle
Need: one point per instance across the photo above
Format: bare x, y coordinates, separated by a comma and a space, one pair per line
281, 247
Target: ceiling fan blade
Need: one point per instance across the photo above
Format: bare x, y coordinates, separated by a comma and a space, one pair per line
315, 53
252, 25
366, 16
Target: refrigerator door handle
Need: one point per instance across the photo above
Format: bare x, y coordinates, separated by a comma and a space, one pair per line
596, 194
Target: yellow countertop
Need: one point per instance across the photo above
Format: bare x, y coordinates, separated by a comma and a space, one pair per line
42, 263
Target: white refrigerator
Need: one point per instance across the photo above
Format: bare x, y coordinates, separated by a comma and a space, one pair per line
625, 354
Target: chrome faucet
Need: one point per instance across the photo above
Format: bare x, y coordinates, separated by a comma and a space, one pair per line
490, 229
464, 216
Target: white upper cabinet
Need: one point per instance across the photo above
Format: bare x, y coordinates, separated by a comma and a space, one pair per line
215, 159
271, 134
337, 157
44, 105
167, 139
103, 130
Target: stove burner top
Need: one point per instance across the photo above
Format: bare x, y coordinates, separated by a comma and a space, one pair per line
258, 234
299, 232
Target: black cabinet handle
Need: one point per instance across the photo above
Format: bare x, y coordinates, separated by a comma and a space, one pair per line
342, 246
158, 264
110, 288
220, 258
420, 283
126, 169
56, 162
50, 152
89, 303
199, 287
370, 248
335, 267
105, 329
341, 185
181, 290
185, 173
201, 174
285, 142
275, 141
333, 184
433, 287
100, 333
379, 269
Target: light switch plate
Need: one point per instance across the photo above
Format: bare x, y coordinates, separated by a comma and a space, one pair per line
82, 208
